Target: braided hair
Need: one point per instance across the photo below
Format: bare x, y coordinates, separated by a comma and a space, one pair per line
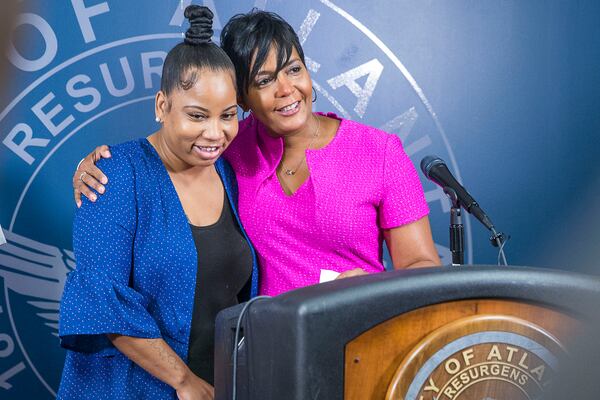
197, 52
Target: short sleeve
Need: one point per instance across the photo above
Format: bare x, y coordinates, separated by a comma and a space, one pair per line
97, 297
403, 200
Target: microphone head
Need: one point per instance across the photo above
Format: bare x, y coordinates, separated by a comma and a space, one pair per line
429, 162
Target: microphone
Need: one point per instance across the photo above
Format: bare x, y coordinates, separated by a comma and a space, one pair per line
435, 170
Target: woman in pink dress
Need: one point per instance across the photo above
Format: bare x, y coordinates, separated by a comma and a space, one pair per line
317, 192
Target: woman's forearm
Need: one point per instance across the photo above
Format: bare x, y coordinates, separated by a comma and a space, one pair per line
155, 356
424, 263
411, 245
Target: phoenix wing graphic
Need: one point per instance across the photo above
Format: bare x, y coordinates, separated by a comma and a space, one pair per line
37, 270
2, 238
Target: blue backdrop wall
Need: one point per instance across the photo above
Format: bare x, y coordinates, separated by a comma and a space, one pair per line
507, 92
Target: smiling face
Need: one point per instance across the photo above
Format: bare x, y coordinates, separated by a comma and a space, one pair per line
282, 101
200, 122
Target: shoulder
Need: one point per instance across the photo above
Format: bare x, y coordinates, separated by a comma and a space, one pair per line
121, 170
127, 164
359, 129
132, 150
126, 158
358, 135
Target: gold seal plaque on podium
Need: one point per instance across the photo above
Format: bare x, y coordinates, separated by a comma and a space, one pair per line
463, 350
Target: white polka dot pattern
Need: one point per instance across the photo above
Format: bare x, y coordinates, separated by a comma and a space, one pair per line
135, 276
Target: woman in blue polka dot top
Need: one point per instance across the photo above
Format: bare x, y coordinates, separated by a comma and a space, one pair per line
163, 251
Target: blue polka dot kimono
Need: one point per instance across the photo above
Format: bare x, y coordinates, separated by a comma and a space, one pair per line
135, 276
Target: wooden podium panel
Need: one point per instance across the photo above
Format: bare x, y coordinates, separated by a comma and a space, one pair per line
459, 350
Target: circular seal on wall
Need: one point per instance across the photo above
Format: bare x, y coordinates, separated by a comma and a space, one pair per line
85, 78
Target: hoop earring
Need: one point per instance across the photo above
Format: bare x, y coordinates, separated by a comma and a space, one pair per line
314, 95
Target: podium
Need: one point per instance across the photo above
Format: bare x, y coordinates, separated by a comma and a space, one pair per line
449, 333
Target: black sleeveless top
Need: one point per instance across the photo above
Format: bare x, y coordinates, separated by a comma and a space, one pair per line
222, 280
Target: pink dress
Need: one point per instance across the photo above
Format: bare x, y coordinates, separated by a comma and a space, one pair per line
360, 183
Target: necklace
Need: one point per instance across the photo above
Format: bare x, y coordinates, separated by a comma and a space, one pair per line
291, 172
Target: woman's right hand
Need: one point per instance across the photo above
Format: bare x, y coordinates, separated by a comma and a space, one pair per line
88, 176
195, 388
352, 272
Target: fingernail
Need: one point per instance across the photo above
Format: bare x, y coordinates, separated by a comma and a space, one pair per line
101, 189
106, 154
104, 180
93, 197
78, 204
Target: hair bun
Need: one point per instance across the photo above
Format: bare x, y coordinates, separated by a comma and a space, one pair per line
200, 31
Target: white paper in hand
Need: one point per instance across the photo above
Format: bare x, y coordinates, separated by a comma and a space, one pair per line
327, 275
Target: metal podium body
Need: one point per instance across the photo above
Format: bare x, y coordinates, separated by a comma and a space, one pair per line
437, 333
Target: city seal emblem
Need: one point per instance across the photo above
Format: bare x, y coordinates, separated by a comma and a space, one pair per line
87, 74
